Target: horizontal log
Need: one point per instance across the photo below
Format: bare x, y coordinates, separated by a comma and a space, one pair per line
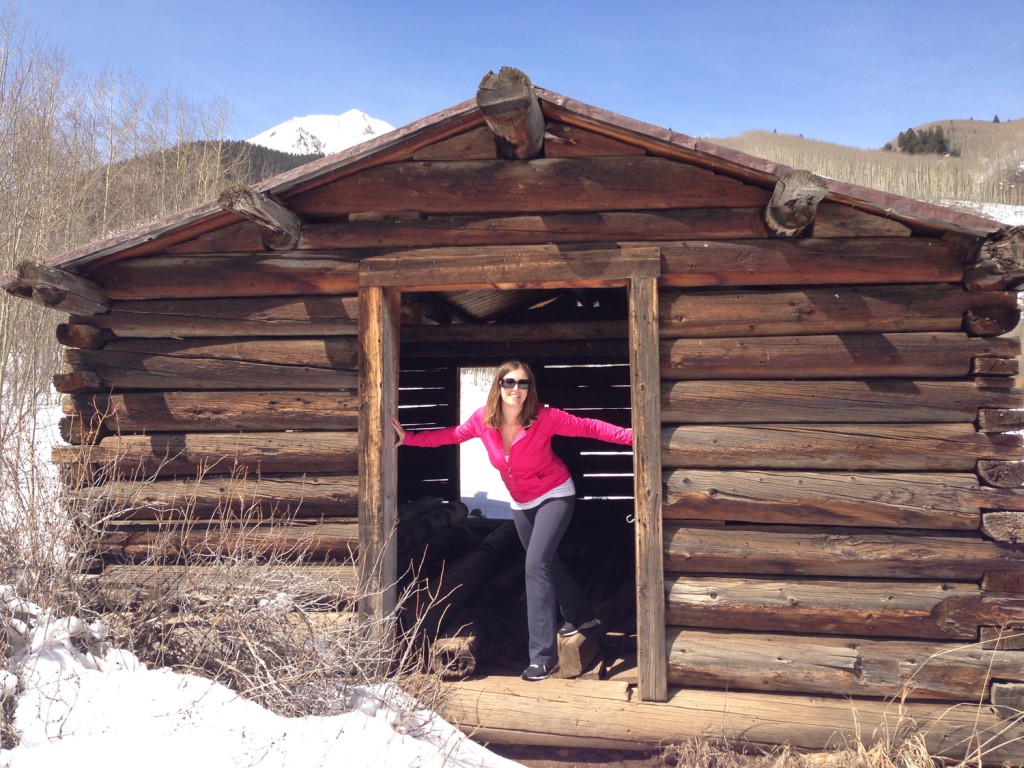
121, 586
198, 455
818, 606
603, 227
224, 411
507, 267
251, 316
217, 364
908, 670
296, 542
600, 713
217, 277
838, 220
474, 144
829, 356
544, 185
516, 332
881, 401
706, 314
766, 550
899, 447
907, 500
233, 498
811, 261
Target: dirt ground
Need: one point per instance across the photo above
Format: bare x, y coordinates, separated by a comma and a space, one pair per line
579, 757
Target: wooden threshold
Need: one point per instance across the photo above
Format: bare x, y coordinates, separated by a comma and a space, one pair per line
608, 714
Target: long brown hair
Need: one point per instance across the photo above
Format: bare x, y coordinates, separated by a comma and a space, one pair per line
492, 414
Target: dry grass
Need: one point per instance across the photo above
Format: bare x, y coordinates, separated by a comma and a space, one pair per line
989, 168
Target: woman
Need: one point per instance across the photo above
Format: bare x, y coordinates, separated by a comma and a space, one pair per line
516, 431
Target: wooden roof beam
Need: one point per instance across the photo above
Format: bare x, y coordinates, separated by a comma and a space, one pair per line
794, 203
58, 289
281, 227
510, 106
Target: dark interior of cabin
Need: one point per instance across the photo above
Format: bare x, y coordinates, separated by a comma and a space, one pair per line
455, 541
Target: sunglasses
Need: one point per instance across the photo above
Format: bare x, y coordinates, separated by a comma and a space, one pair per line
524, 384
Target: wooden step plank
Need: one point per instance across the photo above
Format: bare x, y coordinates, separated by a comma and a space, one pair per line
600, 713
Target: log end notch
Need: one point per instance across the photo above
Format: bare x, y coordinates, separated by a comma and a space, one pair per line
1000, 264
510, 106
794, 203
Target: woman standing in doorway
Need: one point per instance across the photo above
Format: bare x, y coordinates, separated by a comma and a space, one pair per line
516, 431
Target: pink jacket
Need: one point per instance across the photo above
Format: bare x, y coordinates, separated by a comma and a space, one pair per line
531, 469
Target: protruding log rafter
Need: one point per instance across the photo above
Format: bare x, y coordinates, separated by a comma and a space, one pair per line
1000, 263
794, 203
281, 227
58, 289
511, 108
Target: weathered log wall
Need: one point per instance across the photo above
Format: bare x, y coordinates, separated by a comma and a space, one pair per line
824, 511
203, 426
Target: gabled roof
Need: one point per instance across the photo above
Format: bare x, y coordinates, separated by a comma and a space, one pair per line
160, 234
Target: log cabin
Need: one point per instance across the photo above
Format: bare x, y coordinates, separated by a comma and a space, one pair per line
820, 518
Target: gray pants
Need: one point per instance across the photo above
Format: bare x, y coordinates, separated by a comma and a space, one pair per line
549, 584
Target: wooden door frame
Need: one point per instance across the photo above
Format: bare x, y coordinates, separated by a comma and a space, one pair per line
382, 279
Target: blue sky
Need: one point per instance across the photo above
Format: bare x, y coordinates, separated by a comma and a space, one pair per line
854, 72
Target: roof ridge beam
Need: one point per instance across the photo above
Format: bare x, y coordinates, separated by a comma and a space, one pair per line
794, 203
511, 107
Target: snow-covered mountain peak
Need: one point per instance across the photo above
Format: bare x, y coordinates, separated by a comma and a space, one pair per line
321, 134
